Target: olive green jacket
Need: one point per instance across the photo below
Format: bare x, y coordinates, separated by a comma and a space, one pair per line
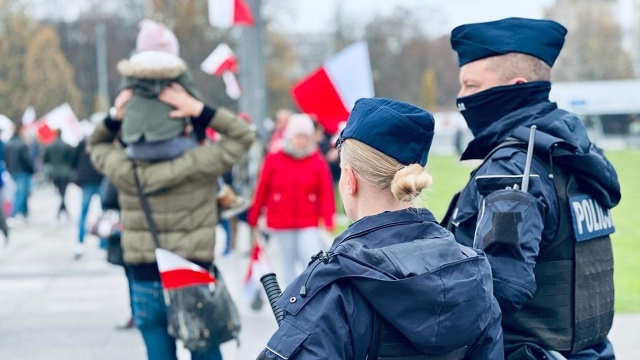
181, 191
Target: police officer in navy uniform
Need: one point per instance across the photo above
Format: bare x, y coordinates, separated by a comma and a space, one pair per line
395, 284
549, 247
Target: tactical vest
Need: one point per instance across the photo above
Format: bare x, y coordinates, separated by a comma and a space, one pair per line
387, 343
572, 307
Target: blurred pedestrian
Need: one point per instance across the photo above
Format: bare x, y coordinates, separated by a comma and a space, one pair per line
109, 197
177, 176
276, 141
88, 179
395, 284
21, 168
59, 159
295, 191
3, 220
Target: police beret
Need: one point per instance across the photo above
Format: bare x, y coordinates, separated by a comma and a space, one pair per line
400, 130
540, 38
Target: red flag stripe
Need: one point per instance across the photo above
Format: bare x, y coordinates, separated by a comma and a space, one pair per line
317, 95
178, 278
242, 13
229, 64
45, 133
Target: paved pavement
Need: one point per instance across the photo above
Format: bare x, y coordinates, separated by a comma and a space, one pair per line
55, 307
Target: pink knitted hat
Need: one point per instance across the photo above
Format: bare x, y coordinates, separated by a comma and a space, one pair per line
156, 37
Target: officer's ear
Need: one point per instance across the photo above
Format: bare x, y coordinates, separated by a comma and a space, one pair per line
352, 180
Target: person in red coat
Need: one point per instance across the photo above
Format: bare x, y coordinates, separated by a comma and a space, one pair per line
295, 191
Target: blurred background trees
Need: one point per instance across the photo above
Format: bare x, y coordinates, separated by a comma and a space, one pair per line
49, 51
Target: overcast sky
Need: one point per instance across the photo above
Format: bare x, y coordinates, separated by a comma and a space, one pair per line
440, 15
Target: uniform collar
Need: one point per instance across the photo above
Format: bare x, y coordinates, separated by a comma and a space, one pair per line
386, 219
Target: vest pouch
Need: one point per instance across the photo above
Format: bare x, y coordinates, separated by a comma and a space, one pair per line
594, 275
546, 318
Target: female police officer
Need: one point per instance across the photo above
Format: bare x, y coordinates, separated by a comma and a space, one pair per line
395, 284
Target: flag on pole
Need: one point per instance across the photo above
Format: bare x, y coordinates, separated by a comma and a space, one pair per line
228, 13
62, 118
258, 266
223, 62
177, 272
331, 91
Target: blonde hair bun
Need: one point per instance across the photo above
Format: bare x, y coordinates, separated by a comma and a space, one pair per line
409, 181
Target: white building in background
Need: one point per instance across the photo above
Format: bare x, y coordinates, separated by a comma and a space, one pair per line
608, 108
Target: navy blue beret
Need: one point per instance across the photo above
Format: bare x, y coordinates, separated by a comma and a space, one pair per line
540, 38
395, 128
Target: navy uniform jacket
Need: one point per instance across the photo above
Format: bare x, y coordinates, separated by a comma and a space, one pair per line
411, 270
512, 262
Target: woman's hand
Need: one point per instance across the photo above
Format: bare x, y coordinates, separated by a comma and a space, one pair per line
185, 105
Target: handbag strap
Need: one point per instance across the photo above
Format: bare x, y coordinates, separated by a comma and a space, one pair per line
146, 208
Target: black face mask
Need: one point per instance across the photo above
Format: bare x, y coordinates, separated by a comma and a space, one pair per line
482, 109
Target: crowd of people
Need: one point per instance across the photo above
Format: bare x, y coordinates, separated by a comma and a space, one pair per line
510, 272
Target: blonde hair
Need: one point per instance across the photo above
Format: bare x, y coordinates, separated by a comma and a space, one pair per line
383, 171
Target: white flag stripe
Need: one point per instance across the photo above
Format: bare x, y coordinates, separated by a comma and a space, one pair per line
231, 85
217, 57
168, 261
350, 71
221, 13
63, 118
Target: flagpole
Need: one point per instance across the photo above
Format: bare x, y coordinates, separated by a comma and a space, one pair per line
253, 100
252, 70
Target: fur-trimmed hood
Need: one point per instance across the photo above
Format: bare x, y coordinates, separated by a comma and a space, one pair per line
152, 65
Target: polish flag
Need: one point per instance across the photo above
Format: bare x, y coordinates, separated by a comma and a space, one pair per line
330, 92
177, 272
258, 266
228, 13
63, 118
223, 62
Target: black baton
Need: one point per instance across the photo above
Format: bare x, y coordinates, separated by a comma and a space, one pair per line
271, 287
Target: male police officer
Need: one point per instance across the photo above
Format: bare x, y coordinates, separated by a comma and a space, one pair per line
549, 247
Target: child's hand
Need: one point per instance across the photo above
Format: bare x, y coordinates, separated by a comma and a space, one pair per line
121, 100
185, 105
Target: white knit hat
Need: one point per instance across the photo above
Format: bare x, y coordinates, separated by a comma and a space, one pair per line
156, 37
299, 124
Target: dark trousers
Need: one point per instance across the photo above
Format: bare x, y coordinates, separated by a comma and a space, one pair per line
61, 186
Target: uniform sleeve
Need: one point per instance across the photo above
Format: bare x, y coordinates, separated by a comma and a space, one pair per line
318, 331
509, 224
490, 344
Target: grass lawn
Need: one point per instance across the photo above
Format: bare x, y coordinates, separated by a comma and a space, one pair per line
450, 176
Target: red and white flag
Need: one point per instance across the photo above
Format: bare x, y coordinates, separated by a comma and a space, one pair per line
62, 118
330, 91
177, 272
258, 266
223, 62
228, 13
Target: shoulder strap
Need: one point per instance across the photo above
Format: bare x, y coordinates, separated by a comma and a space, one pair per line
146, 208
453, 204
